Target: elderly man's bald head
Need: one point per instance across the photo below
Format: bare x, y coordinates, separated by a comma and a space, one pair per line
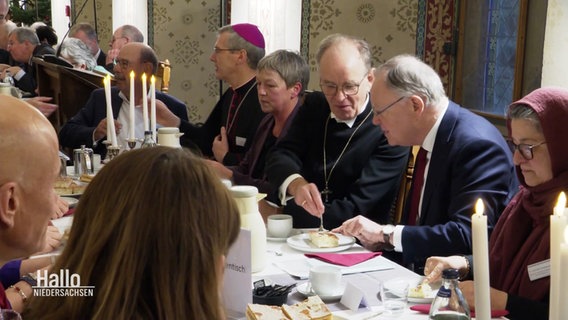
29, 166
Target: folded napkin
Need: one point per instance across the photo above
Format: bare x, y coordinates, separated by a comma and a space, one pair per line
425, 308
69, 212
344, 259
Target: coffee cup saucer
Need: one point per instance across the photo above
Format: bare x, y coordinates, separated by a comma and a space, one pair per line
269, 237
306, 290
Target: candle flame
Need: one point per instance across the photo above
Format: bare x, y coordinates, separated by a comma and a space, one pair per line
144, 77
132, 74
560, 204
106, 79
479, 208
152, 79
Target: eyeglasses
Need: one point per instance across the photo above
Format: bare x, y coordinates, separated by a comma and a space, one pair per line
379, 112
526, 150
217, 50
123, 63
348, 89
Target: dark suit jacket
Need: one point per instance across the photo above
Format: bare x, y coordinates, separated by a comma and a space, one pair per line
470, 160
101, 60
28, 81
79, 129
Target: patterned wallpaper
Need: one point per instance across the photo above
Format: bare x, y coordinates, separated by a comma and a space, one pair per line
184, 33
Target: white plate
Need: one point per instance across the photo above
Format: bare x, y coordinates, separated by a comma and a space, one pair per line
305, 289
71, 201
302, 242
422, 300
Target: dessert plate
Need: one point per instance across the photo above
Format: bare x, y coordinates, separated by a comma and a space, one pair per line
302, 242
305, 289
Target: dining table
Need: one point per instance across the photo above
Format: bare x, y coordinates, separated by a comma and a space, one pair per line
286, 265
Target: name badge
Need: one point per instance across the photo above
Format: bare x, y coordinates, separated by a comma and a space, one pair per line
240, 141
539, 270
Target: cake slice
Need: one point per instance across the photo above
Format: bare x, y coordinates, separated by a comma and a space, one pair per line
264, 312
422, 290
313, 308
324, 239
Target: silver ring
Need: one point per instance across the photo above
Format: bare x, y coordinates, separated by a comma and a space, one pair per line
304, 203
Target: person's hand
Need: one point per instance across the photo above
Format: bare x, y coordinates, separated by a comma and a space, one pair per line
222, 171
435, 265
62, 208
307, 196
52, 239
111, 55
13, 70
101, 129
4, 66
165, 116
42, 104
368, 232
220, 145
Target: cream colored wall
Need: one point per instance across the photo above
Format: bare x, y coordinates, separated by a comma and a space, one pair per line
554, 66
185, 31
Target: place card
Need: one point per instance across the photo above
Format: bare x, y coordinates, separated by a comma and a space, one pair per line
353, 297
237, 291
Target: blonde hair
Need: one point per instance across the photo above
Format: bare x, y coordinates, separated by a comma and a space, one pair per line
149, 233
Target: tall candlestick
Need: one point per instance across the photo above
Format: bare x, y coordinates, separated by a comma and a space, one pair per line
110, 117
558, 223
145, 102
481, 263
563, 297
153, 106
131, 114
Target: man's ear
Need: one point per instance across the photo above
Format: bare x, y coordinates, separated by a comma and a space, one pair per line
8, 204
148, 69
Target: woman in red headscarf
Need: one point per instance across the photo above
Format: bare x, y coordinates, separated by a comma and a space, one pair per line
537, 127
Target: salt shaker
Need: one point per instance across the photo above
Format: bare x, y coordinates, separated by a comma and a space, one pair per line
449, 303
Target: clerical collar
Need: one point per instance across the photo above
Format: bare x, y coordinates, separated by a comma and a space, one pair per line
350, 122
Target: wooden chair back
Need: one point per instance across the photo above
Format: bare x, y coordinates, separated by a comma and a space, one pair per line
163, 75
404, 189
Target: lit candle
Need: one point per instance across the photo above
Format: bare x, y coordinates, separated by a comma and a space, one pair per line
131, 114
557, 226
153, 106
145, 102
480, 263
110, 117
563, 283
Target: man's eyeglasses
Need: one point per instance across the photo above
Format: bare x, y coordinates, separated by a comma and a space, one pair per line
377, 113
348, 89
217, 50
526, 150
123, 63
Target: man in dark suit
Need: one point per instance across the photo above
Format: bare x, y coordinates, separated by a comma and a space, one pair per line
86, 33
466, 159
23, 44
89, 126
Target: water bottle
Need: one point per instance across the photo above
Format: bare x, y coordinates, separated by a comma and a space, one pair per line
148, 140
9, 79
449, 303
245, 197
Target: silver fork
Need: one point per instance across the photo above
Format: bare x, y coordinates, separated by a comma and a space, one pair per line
321, 224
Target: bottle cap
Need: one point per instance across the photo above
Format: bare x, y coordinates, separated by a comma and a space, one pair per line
450, 274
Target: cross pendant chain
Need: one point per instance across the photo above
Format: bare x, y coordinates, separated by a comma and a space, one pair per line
326, 192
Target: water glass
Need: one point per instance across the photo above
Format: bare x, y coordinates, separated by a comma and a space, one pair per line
395, 297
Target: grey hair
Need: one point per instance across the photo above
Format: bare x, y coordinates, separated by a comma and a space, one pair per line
291, 67
409, 75
25, 34
524, 112
338, 39
235, 41
132, 33
78, 51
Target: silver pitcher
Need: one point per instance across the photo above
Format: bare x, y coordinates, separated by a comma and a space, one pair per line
83, 161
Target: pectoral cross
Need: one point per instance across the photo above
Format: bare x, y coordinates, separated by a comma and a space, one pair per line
326, 192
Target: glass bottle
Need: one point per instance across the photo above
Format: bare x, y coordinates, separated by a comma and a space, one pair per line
148, 140
245, 197
449, 303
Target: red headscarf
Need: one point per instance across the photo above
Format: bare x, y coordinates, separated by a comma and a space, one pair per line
522, 234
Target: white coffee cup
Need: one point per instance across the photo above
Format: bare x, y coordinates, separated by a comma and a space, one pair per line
97, 162
325, 280
279, 225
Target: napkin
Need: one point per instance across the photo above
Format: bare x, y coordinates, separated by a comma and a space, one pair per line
344, 259
69, 212
425, 308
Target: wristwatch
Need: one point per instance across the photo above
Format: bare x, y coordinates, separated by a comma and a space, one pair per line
30, 278
388, 231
